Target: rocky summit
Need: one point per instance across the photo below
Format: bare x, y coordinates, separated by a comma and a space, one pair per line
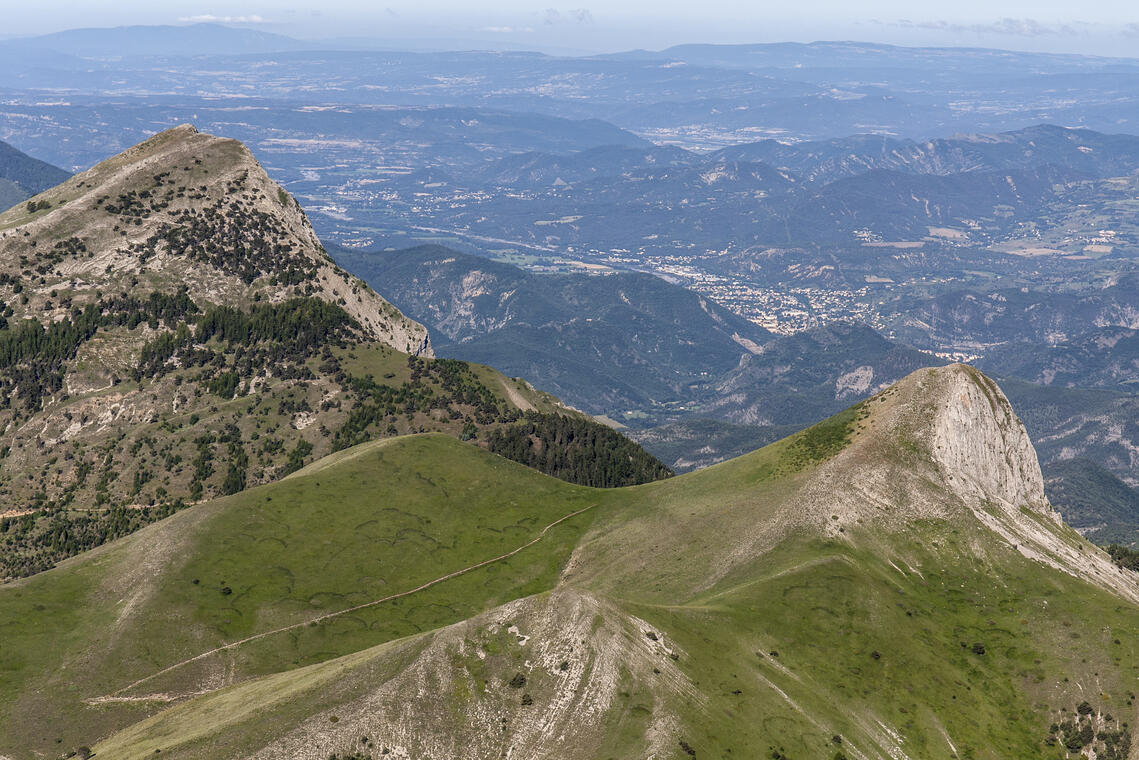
181, 211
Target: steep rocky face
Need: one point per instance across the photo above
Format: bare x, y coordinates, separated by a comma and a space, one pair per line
982, 448
941, 449
945, 444
938, 439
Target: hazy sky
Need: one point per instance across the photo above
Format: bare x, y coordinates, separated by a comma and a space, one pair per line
1095, 26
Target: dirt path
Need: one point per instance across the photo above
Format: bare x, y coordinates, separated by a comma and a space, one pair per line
114, 696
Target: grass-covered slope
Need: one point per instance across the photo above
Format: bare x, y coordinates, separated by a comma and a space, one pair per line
887, 584
380, 519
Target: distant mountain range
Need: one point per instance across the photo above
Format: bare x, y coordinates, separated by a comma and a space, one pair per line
1086, 152
1105, 357
1044, 205
631, 345
1082, 151
626, 341
395, 137
1094, 501
1000, 321
116, 43
840, 192
700, 96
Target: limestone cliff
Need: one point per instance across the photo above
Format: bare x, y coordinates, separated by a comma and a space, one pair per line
980, 444
942, 444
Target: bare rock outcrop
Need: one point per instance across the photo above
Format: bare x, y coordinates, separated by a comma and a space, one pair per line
981, 446
527, 679
944, 444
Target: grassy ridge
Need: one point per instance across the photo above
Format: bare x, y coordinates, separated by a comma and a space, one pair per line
825, 642
392, 517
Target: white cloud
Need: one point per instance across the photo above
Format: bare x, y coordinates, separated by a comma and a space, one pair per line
553, 16
209, 18
1013, 27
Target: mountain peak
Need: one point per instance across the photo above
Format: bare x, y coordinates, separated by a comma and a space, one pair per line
980, 444
950, 425
944, 444
183, 207
172, 287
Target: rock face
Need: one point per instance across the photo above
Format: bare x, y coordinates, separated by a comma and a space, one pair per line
938, 439
944, 444
577, 653
982, 447
986, 458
